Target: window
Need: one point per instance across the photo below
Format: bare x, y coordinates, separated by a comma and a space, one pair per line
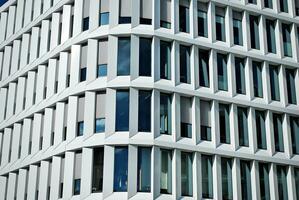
286, 37
296, 170
146, 12
207, 176
282, 182
2, 2
125, 7
186, 117
202, 19
86, 6
220, 24
65, 119
120, 169
240, 75
283, 5
264, 181
278, 132
245, 180
184, 16
77, 172
254, 31
257, 79
83, 65
80, 118
144, 111
98, 166
185, 64
165, 60
252, 1
294, 125
260, 129
144, 169
122, 110
100, 113
243, 127
274, 82
166, 172
226, 174
165, 13
270, 30
145, 56
165, 114
237, 28
224, 123
222, 71
61, 177
186, 174
290, 79
203, 57
104, 12
123, 56
102, 58
205, 120
268, 3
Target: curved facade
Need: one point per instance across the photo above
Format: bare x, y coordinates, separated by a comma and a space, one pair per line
149, 99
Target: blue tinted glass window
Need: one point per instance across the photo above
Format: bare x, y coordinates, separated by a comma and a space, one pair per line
144, 169
85, 23
145, 56
144, 111
122, 110
123, 56
83, 74
222, 71
165, 58
2, 2
204, 74
120, 169
80, 130
104, 18
77, 185
100, 125
102, 70
185, 64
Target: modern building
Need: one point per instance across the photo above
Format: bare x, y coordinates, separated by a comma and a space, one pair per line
149, 99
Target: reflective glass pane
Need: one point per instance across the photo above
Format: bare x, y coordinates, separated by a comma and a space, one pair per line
144, 169
222, 71
80, 130
100, 125
104, 18
184, 19
226, 172
207, 176
243, 127
204, 75
186, 174
278, 133
260, 129
122, 111
245, 180
224, 123
290, 79
102, 70
240, 75
202, 21
282, 182
145, 56
144, 111
286, 37
274, 82
294, 123
165, 114
166, 172
123, 56
120, 169
77, 185
98, 166
185, 64
270, 29
257, 79
264, 181
220, 28
254, 32
165, 58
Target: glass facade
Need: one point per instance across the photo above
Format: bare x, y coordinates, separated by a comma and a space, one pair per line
260, 129
226, 177
264, 181
165, 114
282, 182
120, 183
203, 62
185, 76
294, 126
286, 37
270, 30
254, 32
222, 71
186, 174
144, 111
122, 111
144, 169
166, 172
224, 126
245, 168
123, 57
278, 132
243, 127
207, 176
257, 79
274, 82
240, 75
165, 60
145, 56
291, 90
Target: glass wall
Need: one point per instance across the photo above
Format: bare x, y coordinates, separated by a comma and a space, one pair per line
224, 123
184, 16
166, 172
260, 129
123, 56
203, 62
165, 114
294, 125
144, 169
205, 120
222, 71
220, 23
290, 80
145, 56
270, 30
286, 37
165, 60
240, 75
186, 117
207, 176
122, 110
264, 181
226, 177
97, 175
237, 28
278, 132
186, 174
185, 76
274, 82
245, 168
282, 182
254, 32
120, 169
144, 111
243, 127
257, 79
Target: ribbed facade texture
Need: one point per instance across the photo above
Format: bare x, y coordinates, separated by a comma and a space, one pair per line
149, 99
